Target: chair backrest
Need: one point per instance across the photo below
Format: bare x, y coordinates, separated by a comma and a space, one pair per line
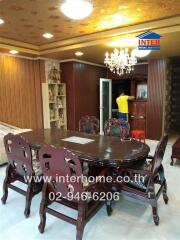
159, 153
116, 127
19, 154
89, 124
62, 168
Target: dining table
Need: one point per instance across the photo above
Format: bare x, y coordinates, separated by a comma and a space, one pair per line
95, 149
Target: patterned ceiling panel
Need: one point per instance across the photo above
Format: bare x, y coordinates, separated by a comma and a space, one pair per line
27, 20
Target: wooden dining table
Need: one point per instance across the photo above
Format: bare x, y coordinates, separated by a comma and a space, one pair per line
95, 149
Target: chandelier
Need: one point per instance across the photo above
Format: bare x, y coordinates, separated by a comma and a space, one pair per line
120, 62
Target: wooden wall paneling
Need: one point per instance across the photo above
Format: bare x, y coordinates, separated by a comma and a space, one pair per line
19, 92
82, 85
155, 103
39, 78
67, 76
42, 71
87, 90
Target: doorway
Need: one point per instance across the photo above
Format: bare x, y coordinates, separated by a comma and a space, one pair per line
117, 86
105, 102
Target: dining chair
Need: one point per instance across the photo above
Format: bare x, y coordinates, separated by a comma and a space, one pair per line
89, 124
22, 166
150, 175
117, 128
60, 162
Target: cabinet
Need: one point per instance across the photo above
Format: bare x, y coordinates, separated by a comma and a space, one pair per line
137, 114
54, 105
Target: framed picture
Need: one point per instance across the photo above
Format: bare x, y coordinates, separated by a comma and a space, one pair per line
141, 92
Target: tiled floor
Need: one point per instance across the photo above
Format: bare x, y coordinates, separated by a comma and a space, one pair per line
130, 220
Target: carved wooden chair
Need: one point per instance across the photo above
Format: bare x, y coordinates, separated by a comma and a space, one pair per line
60, 162
117, 128
89, 124
21, 166
151, 173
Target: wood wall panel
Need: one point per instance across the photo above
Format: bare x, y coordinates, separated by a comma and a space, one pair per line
39, 77
82, 82
155, 103
87, 90
67, 76
20, 92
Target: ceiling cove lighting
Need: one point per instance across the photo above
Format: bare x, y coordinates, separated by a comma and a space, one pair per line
1, 21
13, 51
79, 53
140, 53
77, 9
48, 35
123, 42
120, 61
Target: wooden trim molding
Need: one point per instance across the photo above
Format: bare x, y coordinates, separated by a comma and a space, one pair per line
81, 61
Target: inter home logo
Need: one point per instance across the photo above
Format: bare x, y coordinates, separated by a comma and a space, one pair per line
149, 41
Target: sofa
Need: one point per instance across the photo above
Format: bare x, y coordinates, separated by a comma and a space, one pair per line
5, 129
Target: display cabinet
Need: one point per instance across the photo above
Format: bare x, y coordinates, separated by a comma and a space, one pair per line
54, 105
137, 114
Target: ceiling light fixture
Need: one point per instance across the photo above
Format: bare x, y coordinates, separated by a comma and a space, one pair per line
13, 51
77, 9
120, 62
48, 35
1, 21
140, 53
79, 53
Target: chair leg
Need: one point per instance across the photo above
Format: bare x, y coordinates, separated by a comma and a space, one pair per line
42, 210
165, 197
155, 213
5, 192
42, 213
5, 186
29, 196
108, 208
163, 184
80, 221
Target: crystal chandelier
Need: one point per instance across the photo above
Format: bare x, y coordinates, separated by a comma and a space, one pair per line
120, 62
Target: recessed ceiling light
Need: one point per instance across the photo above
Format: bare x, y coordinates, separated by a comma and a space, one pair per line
1, 21
13, 51
77, 9
48, 35
79, 53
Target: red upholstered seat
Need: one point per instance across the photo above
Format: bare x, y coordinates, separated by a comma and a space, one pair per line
138, 135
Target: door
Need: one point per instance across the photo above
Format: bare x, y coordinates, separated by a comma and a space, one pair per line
105, 102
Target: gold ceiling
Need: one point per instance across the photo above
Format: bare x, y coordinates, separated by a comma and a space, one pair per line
27, 20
